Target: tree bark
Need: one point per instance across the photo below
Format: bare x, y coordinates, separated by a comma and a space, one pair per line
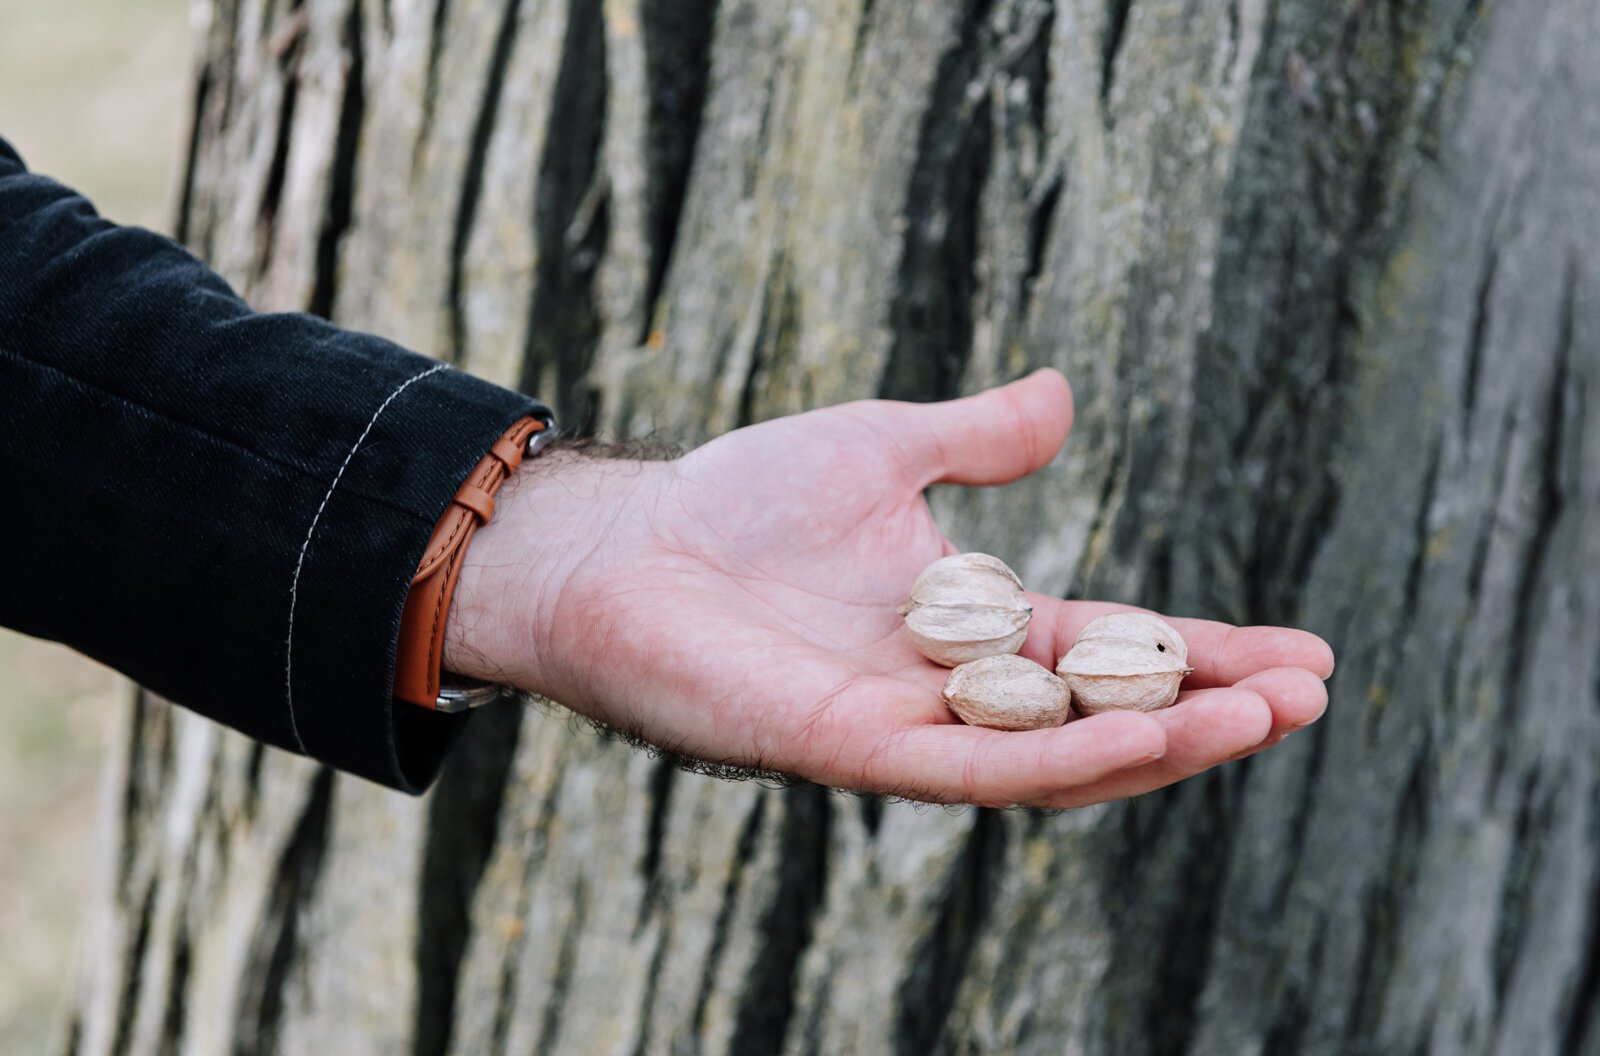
1324, 278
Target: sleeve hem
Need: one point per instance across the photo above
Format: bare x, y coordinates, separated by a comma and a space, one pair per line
343, 709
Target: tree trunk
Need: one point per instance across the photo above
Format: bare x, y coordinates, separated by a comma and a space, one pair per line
1324, 278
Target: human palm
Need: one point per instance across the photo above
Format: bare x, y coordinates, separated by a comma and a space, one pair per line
737, 605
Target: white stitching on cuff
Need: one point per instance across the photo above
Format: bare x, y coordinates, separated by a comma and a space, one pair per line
294, 586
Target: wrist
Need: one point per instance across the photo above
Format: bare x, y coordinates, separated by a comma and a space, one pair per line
419, 652
501, 620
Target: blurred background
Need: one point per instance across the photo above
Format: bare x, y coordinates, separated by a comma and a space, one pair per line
93, 93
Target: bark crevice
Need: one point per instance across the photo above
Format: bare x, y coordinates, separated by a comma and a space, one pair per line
663, 777
1549, 502
463, 824
342, 178
287, 46
1111, 39
1531, 829
744, 849
275, 946
1578, 1010
132, 972
472, 175
767, 999
430, 83
931, 314
677, 36
1478, 339
939, 964
1385, 900
572, 218
182, 228
566, 958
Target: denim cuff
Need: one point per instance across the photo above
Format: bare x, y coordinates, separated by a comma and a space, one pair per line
354, 571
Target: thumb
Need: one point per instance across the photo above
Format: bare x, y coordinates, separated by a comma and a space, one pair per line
993, 437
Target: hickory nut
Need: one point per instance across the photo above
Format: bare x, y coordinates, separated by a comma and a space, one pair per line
1007, 692
1128, 661
966, 607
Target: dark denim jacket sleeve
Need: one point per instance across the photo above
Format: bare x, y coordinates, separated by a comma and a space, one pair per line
225, 505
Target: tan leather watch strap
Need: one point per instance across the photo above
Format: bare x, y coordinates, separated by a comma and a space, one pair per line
418, 658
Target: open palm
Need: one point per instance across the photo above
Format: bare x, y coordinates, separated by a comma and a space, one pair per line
738, 605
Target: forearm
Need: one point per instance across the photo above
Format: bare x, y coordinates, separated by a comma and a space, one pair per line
226, 505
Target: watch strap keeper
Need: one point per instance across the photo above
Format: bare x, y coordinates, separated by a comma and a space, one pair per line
419, 654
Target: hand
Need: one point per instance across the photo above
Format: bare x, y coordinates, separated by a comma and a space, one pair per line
737, 605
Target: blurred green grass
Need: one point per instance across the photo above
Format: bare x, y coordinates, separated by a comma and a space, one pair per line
94, 93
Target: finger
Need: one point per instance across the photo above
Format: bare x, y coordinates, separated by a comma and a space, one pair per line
1205, 728
966, 764
1296, 696
993, 437
1220, 653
